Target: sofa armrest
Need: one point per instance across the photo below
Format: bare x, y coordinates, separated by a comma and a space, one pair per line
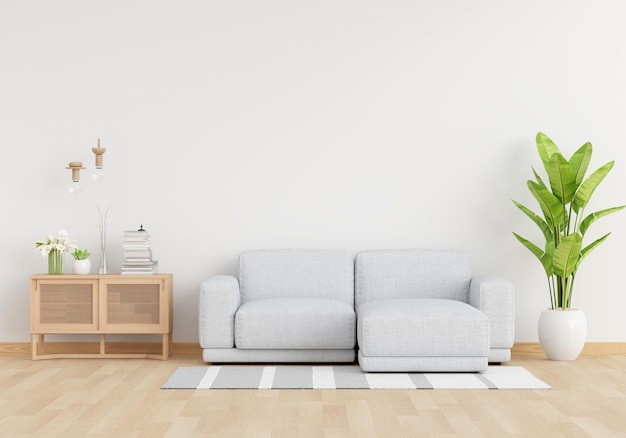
219, 300
495, 297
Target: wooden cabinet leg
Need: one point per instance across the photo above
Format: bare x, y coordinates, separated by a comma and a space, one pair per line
166, 346
102, 345
36, 345
33, 346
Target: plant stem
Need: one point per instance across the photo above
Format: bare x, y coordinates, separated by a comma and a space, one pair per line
551, 289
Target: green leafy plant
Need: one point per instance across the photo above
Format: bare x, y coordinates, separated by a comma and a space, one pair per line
564, 223
81, 254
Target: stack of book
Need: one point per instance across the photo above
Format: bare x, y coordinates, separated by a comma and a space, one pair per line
137, 248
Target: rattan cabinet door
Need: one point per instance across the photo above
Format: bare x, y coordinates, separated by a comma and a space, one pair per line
62, 306
129, 306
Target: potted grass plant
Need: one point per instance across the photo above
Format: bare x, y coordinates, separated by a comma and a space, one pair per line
82, 265
563, 223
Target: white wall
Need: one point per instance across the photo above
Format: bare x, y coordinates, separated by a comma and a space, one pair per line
334, 124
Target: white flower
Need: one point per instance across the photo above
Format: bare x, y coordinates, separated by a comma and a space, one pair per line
60, 243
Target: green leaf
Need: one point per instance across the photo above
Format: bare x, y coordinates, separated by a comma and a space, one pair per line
546, 260
580, 162
562, 178
586, 223
593, 245
550, 204
543, 226
538, 178
567, 255
538, 252
546, 147
589, 186
550, 245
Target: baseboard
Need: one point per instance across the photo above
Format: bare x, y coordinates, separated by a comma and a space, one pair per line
193, 348
23, 348
590, 349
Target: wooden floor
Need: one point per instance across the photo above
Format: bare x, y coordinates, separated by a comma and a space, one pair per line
121, 398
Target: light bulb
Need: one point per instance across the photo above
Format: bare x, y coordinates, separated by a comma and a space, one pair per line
98, 174
76, 166
74, 188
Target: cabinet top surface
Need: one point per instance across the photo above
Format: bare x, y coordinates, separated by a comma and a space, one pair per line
98, 276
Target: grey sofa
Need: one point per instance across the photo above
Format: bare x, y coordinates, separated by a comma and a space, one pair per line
409, 310
283, 306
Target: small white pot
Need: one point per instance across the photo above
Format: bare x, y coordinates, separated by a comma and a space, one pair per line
562, 333
81, 267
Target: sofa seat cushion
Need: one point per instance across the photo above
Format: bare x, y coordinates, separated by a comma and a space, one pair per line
295, 323
422, 327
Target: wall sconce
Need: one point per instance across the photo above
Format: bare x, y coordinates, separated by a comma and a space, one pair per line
98, 173
76, 166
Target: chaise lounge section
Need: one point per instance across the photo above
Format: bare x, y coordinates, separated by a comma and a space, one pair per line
421, 310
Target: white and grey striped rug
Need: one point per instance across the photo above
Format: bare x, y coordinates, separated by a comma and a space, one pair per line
344, 377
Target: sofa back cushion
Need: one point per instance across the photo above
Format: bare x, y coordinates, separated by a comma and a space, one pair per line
296, 273
412, 273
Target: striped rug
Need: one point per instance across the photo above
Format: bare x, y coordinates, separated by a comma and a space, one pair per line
344, 377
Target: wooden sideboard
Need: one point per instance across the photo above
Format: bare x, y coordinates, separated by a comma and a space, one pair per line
101, 305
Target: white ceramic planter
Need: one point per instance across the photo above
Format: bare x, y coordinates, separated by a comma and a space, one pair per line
562, 333
81, 267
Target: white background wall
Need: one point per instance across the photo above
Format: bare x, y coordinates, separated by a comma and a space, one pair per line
234, 125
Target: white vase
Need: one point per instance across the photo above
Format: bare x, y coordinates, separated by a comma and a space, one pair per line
81, 267
562, 333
